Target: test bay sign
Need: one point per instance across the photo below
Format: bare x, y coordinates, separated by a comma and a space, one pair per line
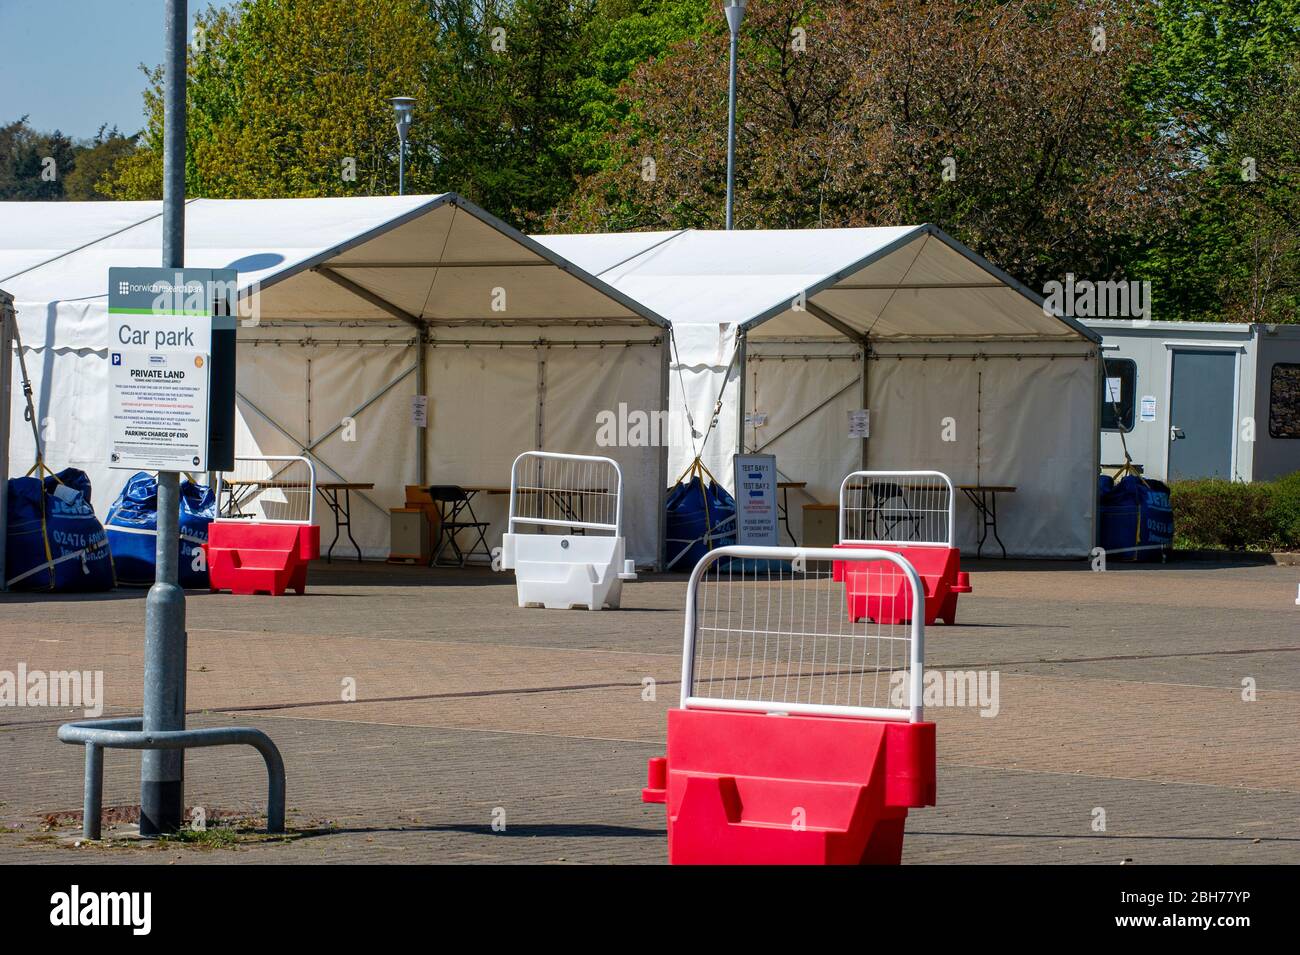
171, 378
756, 512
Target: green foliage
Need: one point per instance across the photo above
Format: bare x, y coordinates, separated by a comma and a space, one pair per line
1223, 515
1120, 163
26, 170
94, 161
1223, 80
46, 166
512, 96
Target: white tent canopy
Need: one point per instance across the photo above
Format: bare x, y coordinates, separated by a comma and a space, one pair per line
966, 372
521, 349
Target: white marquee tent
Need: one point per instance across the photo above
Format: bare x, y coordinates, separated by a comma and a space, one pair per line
964, 370
522, 349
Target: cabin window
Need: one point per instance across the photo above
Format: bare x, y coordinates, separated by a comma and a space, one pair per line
1284, 401
1117, 395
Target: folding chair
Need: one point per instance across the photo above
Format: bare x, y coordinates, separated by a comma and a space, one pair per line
882, 493
453, 504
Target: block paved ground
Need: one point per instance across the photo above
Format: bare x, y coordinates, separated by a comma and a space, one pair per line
1120, 690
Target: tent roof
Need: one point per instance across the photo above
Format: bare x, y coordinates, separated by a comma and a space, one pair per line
32, 233
885, 283
422, 259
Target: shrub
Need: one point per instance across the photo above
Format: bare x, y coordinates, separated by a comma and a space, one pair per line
1286, 509
1218, 515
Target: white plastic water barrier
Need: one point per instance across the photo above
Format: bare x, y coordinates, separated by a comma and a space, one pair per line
564, 539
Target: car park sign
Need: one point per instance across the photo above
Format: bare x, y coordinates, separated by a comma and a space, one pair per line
171, 368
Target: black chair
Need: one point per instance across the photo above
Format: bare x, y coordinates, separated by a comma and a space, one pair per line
453, 504
882, 492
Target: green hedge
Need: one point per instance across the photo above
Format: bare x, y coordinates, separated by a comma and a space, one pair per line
1219, 515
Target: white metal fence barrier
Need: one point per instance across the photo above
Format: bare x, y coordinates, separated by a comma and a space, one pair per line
768, 629
575, 491
897, 507
269, 489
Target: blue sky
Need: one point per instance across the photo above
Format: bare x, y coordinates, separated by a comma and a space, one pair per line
74, 64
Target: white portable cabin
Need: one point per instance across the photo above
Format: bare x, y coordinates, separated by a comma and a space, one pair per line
784, 332
350, 308
1201, 399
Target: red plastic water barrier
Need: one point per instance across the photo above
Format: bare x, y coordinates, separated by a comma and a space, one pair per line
249, 558
874, 590
750, 788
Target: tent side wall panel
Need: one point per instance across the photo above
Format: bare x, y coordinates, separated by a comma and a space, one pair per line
293, 396
1025, 421
1036, 427
621, 383
806, 393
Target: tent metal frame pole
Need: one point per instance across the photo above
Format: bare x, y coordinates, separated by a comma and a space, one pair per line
661, 522
741, 356
7, 319
363, 293
539, 433
1099, 389
866, 398
421, 433
848, 331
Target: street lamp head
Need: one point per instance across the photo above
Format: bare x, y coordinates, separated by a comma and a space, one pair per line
403, 108
735, 10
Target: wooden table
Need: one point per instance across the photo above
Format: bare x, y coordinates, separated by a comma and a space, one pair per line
568, 500
985, 499
329, 492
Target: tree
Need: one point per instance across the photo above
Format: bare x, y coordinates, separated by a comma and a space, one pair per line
1211, 76
1020, 138
290, 98
1260, 281
33, 165
95, 160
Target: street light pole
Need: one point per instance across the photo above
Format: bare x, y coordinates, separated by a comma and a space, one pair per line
403, 108
735, 10
162, 771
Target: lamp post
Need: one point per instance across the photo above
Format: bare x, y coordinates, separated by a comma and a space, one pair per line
404, 108
162, 771
735, 10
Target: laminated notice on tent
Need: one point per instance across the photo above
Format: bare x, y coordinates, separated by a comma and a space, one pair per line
860, 423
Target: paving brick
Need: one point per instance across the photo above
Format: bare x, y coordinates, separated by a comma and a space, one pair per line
1120, 691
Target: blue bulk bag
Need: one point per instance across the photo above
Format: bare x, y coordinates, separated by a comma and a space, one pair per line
699, 518
1135, 519
133, 531
54, 541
